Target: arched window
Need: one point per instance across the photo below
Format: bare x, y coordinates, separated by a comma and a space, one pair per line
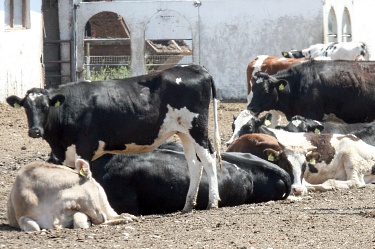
332, 26
17, 14
346, 27
168, 41
107, 47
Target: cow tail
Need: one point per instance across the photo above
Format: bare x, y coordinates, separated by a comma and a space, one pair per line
217, 140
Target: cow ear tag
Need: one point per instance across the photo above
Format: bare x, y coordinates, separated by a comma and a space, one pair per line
82, 172
312, 161
271, 158
17, 106
267, 122
317, 131
281, 87
57, 104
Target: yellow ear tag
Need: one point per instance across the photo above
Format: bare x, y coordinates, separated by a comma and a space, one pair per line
267, 122
285, 54
271, 158
16, 105
57, 104
317, 131
81, 172
281, 87
312, 161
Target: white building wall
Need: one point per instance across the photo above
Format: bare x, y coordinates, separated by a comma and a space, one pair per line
20, 54
362, 19
229, 34
233, 33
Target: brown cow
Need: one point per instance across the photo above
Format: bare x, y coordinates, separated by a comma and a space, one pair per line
268, 64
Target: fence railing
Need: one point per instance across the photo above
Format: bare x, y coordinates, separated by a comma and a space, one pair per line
115, 67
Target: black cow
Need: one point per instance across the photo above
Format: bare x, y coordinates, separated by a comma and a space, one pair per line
133, 115
364, 131
315, 88
156, 182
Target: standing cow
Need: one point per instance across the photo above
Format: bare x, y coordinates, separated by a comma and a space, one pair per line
315, 88
49, 196
133, 115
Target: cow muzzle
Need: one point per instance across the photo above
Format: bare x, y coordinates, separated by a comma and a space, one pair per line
35, 133
298, 190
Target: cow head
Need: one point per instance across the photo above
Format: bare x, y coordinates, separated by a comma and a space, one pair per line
293, 54
279, 158
247, 123
301, 124
297, 156
266, 93
296, 149
37, 104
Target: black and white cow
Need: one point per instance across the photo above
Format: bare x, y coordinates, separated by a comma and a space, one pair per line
355, 51
49, 196
364, 131
328, 161
315, 88
156, 182
247, 123
133, 115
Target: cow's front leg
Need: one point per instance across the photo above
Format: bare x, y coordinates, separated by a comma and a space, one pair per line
124, 218
28, 225
81, 220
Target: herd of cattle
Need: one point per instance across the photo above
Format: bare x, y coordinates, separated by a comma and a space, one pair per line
110, 154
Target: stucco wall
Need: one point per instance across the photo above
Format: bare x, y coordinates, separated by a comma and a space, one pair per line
20, 55
227, 35
234, 32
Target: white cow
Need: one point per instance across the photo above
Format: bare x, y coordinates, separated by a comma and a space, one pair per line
327, 161
48, 196
355, 51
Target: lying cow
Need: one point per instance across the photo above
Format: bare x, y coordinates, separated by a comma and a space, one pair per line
354, 51
132, 115
364, 131
247, 123
328, 161
48, 196
156, 182
265, 147
315, 88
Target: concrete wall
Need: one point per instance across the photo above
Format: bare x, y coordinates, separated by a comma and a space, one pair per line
226, 35
20, 54
362, 20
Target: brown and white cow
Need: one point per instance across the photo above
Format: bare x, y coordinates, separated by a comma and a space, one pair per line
49, 196
328, 161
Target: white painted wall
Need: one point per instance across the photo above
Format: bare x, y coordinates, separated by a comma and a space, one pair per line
228, 33
233, 33
362, 19
20, 54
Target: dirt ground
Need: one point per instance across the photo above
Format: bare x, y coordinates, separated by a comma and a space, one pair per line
337, 219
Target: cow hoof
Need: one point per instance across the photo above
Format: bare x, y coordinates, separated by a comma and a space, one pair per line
129, 217
212, 205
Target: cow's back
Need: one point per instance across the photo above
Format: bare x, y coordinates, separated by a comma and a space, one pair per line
345, 88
